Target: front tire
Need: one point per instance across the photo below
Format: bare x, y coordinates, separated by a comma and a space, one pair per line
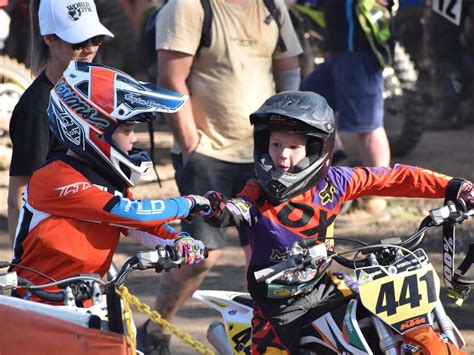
404, 120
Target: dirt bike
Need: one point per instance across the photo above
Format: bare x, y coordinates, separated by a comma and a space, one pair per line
404, 119
15, 77
90, 317
397, 308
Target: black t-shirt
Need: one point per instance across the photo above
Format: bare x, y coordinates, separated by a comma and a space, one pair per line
33, 142
339, 35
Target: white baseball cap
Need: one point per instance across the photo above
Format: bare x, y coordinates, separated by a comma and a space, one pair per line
73, 21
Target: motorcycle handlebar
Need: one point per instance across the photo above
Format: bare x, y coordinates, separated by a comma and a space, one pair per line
451, 213
162, 259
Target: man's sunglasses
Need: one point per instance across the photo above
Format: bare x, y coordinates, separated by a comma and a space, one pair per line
95, 41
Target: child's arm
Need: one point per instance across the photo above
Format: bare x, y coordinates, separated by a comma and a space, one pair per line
233, 212
71, 195
396, 181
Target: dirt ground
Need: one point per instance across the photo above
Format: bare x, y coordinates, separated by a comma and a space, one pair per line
448, 152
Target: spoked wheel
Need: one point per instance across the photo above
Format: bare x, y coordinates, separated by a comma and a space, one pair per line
404, 119
14, 79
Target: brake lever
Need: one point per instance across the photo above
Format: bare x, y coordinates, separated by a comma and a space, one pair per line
452, 213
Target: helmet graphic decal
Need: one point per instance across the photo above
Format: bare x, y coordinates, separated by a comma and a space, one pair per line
81, 107
68, 127
101, 88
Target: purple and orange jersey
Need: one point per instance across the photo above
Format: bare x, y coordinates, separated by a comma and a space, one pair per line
274, 229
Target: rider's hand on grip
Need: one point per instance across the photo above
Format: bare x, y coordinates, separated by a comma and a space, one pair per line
199, 205
466, 193
217, 201
189, 250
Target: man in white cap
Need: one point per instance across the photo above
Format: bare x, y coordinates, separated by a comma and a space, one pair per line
62, 30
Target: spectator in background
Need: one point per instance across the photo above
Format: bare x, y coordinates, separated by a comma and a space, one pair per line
351, 81
453, 70
213, 147
62, 30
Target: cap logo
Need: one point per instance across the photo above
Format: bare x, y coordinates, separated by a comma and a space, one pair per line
75, 10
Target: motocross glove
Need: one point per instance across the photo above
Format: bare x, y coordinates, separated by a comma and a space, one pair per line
199, 205
466, 193
217, 200
190, 250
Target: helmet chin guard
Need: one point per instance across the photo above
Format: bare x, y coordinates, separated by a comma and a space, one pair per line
293, 111
90, 101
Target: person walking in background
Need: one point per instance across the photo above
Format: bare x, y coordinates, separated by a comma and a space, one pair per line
351, 81
62, 30
213, 149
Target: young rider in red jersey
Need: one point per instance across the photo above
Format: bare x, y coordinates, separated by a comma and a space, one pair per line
76, 206
298, 194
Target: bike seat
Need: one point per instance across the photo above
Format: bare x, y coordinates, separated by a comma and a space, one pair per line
246, 300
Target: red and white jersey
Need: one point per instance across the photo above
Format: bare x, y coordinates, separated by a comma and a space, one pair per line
72, 218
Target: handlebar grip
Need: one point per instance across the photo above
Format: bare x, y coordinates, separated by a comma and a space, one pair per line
308, 242
171, 253
42, 294
351, 264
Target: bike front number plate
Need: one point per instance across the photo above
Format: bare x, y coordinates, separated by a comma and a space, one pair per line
400, 296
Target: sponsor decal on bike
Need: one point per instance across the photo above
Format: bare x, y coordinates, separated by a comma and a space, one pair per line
282, 292
218, 304
410, 348
448, 266
413, 323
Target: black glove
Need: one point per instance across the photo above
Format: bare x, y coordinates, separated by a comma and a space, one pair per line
466, 193
217, 200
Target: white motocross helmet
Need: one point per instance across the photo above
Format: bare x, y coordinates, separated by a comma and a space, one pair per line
88, 104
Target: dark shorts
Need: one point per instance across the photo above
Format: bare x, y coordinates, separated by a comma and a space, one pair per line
352, 84
202, 174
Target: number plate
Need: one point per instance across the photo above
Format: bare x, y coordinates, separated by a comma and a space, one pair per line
398, 295
240, 337
449, 9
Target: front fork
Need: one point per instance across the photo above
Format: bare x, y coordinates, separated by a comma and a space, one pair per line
447, 327
390, 341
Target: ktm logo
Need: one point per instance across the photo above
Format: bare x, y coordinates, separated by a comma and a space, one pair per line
413, 323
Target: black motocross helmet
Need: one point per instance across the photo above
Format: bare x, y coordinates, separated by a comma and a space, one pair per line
293, 111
